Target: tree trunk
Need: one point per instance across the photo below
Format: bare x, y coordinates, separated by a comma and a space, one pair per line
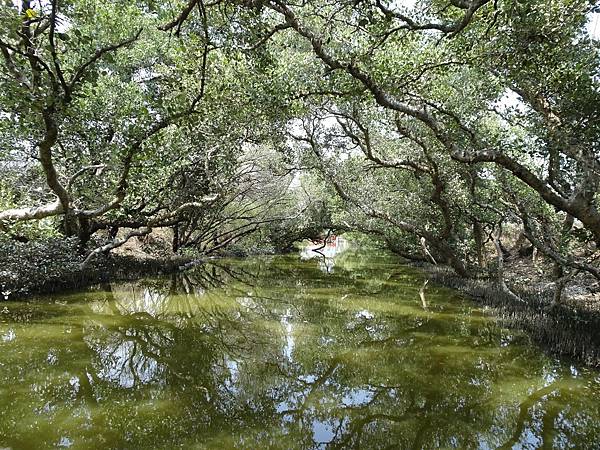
175, 244
478, 236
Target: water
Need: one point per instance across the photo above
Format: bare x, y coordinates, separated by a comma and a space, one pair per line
282, 352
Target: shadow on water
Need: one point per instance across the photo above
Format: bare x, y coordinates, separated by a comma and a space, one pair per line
277, 352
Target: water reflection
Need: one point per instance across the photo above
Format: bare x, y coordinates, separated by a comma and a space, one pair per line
273, 352
325, 252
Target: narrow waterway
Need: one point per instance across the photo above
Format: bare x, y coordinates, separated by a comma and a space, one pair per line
339, 351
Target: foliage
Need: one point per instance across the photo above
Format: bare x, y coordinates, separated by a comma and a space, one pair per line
430, 127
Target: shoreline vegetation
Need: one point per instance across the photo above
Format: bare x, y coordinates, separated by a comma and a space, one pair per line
567, 330
54, 266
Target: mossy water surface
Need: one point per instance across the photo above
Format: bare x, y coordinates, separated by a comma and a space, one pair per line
279, 352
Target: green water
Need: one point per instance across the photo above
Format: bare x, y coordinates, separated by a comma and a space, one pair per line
277, 353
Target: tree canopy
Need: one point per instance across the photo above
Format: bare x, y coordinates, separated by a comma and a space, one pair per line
430, 125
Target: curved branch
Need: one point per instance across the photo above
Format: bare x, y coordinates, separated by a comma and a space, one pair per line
80, 72
31, 213
114, 244
451, 29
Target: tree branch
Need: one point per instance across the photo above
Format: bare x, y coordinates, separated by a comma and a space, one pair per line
80, 72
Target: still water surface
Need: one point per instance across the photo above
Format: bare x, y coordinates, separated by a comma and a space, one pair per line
282, 352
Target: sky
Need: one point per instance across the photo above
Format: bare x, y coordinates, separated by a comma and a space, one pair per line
593, 25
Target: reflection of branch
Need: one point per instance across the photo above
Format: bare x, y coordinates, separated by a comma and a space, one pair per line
316, 250
524, 408
313, 386
422, 294
356, 428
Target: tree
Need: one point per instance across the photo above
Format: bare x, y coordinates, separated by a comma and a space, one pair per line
127, 128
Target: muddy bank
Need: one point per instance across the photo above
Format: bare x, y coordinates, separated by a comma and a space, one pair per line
111, 268
55, 265
569, 330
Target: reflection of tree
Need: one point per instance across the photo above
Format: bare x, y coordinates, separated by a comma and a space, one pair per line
274, 353
248, 362
526, 419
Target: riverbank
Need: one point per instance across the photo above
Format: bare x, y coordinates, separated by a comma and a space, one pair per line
570, 329
55, 265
